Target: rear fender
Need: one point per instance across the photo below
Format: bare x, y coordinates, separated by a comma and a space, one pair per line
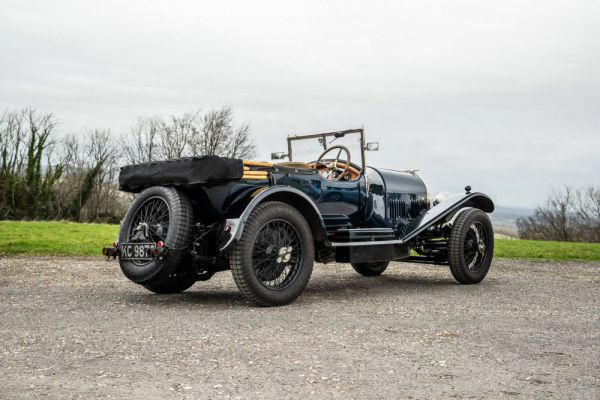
284, 194
447, 210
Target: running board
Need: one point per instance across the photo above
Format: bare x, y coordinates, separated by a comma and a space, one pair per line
382, 250
364, 237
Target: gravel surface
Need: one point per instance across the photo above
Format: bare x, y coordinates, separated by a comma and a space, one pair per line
77, 328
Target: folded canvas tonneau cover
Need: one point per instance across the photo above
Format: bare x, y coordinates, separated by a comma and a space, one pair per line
187, 172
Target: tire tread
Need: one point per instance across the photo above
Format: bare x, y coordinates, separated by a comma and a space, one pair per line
455, 246
181, 215
239, 254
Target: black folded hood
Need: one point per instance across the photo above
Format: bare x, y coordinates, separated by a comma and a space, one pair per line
187, 172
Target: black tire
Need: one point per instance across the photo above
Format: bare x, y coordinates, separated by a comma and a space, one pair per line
175, 283
288, 229
374, 268
176, 239
471, 246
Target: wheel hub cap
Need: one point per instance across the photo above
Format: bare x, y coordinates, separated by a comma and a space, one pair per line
284, 254
475, 246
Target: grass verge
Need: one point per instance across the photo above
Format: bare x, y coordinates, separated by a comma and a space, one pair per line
534, 249
55, 238
73, 239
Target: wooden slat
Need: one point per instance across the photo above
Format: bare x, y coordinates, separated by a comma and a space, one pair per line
261, 173
258, 163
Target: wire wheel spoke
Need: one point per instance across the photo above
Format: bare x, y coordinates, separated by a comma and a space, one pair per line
150, 224
475, 246
276, 254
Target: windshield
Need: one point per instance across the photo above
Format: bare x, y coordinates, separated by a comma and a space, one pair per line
309, 148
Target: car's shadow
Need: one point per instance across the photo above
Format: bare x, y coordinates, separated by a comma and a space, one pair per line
215, 298
318, 288
385, 285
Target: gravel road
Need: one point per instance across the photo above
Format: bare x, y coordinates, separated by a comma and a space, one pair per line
75, 327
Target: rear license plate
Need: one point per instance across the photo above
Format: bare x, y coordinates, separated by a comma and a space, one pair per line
137, 251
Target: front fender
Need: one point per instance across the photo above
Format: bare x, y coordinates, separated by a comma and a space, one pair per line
285, 194
446, 210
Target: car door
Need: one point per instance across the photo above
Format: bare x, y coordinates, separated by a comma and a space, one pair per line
340, 198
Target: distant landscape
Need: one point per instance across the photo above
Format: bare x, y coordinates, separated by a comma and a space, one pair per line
63, 238
507, 216
504, 220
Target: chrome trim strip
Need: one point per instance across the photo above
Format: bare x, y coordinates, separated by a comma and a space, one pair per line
368, 243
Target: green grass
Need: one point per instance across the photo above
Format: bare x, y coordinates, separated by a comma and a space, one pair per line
55, 238
534, 249
72, 239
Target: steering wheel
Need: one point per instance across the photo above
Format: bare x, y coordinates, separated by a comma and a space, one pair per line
332, 167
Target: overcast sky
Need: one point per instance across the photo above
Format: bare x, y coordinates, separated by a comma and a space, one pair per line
501, 95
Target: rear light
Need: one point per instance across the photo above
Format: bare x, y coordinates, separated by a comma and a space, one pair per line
160, 244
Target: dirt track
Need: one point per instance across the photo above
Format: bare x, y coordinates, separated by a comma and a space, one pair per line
77, 327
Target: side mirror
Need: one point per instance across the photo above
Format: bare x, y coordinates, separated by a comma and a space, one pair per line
278, 156
372, 146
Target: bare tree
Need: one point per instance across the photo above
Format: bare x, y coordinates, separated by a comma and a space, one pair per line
211, 133
43, 178
73, 158
12, 135
567, 215
587, 209
89, 189
241, 144
550, 221
11, 150
143, 142
99, 190
219, 136
27, 173
176, 134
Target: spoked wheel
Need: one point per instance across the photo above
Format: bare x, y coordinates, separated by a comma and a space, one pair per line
277, 254
158, 214
273, 260
150, 223
475, 246
471, 246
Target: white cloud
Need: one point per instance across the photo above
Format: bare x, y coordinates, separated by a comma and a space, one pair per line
501, 95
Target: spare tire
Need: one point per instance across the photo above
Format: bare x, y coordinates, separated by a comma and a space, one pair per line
374, 268
159, 213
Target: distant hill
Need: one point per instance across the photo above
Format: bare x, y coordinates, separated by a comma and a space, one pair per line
507, 216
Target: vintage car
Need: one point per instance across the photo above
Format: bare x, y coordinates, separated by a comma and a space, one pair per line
269, 222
